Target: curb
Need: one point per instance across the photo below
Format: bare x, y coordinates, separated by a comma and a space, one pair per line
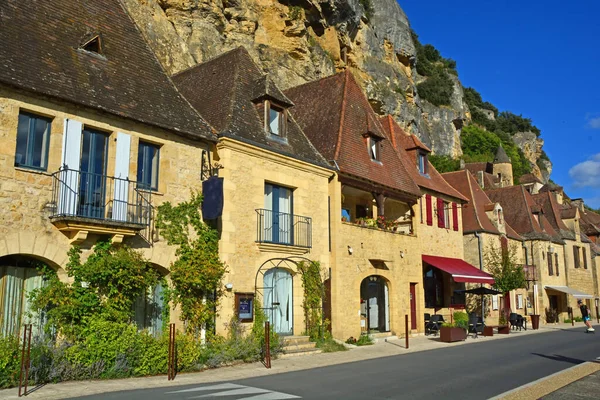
551, 383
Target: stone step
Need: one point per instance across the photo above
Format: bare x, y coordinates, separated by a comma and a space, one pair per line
309, 345
379, 335
294, 340
300, 352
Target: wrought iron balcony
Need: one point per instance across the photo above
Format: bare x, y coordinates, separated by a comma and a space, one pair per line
86, 199
284, 229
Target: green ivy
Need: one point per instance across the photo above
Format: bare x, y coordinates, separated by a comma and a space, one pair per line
104, 287
314, 292
197, 272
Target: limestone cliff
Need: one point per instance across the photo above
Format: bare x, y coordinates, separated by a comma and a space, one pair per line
302, 40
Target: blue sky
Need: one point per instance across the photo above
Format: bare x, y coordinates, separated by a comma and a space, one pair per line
536, 58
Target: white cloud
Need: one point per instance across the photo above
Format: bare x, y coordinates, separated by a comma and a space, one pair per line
594, 123
587, 173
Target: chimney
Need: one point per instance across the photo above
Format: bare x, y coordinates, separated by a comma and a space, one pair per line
578, 203
480, 179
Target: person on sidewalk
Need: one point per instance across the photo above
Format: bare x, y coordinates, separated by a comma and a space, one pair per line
586, 315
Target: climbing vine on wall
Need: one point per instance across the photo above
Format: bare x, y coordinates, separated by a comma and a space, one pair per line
197, 272
314, 292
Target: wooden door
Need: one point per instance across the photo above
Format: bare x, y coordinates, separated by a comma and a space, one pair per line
413, 306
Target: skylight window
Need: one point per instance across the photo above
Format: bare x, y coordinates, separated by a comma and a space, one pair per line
94, 45
374, 148
422, 163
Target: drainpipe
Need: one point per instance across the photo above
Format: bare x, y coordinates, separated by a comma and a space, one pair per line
478, 236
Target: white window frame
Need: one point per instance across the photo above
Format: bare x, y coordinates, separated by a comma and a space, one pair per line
422, 162
494, 302
374, 151
446, 214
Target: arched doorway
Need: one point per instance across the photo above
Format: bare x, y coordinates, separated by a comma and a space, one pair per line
375, 303
150, 308
18, 278
278, 300
274, 288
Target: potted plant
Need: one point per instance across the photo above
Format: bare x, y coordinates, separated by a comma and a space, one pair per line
457, 330
503, 327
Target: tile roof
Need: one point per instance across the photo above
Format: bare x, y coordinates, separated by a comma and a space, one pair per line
406, 146
552, 212
41, 52
501, 156
337, 117
517, 203
228, 91
529, 178
589, 222
480, 166
474, 214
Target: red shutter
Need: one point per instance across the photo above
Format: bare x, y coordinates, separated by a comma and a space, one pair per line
440, 213
454, 217
429, 209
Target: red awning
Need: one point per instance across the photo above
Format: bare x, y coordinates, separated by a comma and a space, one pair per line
460, 270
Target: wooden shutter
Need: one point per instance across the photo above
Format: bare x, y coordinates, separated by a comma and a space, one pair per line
584, 257
576, 256
440, 213
549, 257
556, 264
429, 209
121, 191
454, 217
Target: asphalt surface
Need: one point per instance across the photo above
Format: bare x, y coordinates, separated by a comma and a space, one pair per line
477, 371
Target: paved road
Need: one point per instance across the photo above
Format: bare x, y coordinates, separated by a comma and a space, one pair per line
475, 371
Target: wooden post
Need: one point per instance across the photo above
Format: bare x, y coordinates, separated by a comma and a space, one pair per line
406, 328
267, 345
25, 358
171, 361
597, 315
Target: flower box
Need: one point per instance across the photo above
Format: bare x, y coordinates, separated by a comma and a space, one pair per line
503, 330
448, 334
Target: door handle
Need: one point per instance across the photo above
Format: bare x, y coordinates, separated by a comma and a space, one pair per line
276, 304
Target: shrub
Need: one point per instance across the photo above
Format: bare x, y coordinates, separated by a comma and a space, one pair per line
365, 340
437, 89
461, 319
328, 345
9, 361
444, 163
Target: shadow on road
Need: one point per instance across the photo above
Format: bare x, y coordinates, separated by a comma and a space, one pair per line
557, 357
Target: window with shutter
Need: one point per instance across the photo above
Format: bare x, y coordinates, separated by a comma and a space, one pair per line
556, 263
429, 210
454, 217
576, 256
550, 271
584, 257
440, 213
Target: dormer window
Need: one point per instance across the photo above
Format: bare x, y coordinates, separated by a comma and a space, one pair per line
274, 120
374, 148
500, 218
422, 163
93, 45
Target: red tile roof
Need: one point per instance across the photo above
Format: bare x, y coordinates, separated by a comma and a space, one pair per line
529, 178
338, 119
402, 142
474, 214
552, 211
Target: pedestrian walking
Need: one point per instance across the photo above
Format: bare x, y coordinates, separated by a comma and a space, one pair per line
585, 313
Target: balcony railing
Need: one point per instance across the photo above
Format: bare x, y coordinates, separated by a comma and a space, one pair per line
87, 196
283, 228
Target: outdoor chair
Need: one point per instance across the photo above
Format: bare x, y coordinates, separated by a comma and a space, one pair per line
475, 325
427, 320
435, 323
516, 321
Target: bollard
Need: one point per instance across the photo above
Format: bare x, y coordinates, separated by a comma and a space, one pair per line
171, 362
267, 345
406, 328
597, 316
25, 358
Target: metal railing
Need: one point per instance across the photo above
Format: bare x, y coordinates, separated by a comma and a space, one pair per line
283, 228
105, 198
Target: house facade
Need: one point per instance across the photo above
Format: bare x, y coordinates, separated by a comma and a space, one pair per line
91, 145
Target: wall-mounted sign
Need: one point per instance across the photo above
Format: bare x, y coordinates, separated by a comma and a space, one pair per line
244, 305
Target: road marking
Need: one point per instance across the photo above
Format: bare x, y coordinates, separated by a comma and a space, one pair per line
232, 389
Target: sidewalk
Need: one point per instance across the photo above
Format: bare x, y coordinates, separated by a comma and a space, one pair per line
392, 347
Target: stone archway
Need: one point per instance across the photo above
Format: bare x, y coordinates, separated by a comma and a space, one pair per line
273, 285
375, 303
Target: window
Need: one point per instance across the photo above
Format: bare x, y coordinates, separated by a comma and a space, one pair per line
275, 121
434, 288
443, 213
374, 148
149, 310
278, 226
33, 137
556, 263
576, 256
422, 163
494, 302
519, 301
584, 257
147, 169
446, 215
549, 258
500, 219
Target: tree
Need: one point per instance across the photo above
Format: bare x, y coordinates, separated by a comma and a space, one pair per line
197, 272
502, 265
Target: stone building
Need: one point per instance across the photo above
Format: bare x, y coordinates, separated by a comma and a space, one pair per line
485, 230
440, 228
93, 136
275, 190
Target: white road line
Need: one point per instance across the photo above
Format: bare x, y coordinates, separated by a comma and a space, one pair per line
234, 392
222, 386
271, 396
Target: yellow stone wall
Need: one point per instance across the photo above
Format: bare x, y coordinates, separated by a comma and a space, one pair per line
246, 169
26, 195
581, 278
